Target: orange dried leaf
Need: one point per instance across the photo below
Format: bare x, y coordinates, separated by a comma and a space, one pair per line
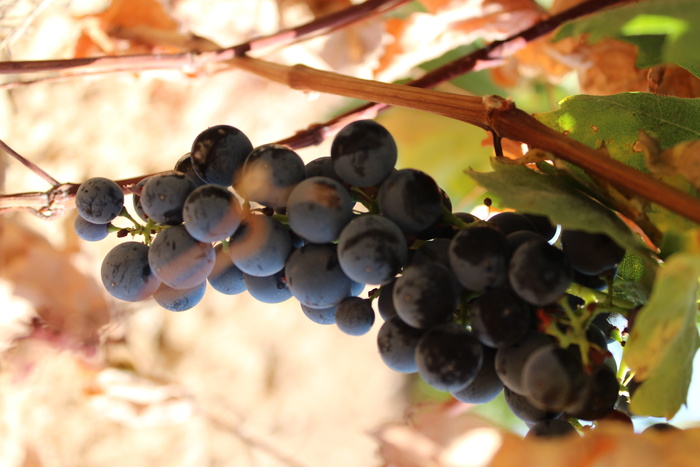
67, 301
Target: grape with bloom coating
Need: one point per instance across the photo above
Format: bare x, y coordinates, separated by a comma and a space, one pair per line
99, 200
126, 273
179, 260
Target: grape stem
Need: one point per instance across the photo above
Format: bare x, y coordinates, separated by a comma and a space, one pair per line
615, 304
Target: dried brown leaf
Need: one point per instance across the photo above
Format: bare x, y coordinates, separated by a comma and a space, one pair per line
424, 36
69, 303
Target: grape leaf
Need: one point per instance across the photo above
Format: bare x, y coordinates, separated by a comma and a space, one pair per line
664, 339
528, 191
664, 31
615, 121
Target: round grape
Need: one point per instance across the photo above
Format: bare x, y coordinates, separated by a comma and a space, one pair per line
268, 289
372, 249
99, 200
539, 273
479, 258
179, 260
164, 195
260, 246
126, 273
363, 153
225, 277
411, 199
211, 213
90, 232
218, 153
179, 299
315, 277
425, 295
354, 316
397, 343
318, 209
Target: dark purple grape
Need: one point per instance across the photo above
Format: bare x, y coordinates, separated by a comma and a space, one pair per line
539, 273
322, 167
318, 209
325, 316
448, 357
436, 250
551, 429
89, 231
411, 199
372, 249
211, 213
598, 395
591, 253
509, 222
268, 289
499, 318
225, 277
179, 299
260, 246
543, 225
553, 378
218, 153
510, 360
364, 153
184, 165
136, 199
179, 260
269, 175
99, 200
485, 386
425, 295
315, 278
126, 273
479, 258
524, 409
397, 343
385, 302
354, 316
164, 195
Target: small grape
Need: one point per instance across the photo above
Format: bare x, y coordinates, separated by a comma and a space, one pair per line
553, 378
318, 209
126, 273
372, 249
425, 295
269, 174
315, 277
509, 222
218, 153
179, 299
449, 357
164, 195
90, 232
225, 277
397, 343
551, 429
260, 246
179, 260
268, 289
325, 316
485, 386
99, 200
184, 165
591, 253
354, 316
411, 199
479, 258
500, 318
211, 213
363, 153
539, 273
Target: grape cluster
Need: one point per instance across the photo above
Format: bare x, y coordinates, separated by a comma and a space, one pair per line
475, 307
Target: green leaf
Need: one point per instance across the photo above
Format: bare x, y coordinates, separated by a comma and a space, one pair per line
526, 190
665, 31
664, 339
614, 122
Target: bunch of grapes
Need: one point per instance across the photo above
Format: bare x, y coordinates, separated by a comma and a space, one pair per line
476, 307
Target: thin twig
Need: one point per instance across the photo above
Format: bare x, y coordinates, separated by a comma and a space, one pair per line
30, 165
492, 113
197, 59
483, 58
